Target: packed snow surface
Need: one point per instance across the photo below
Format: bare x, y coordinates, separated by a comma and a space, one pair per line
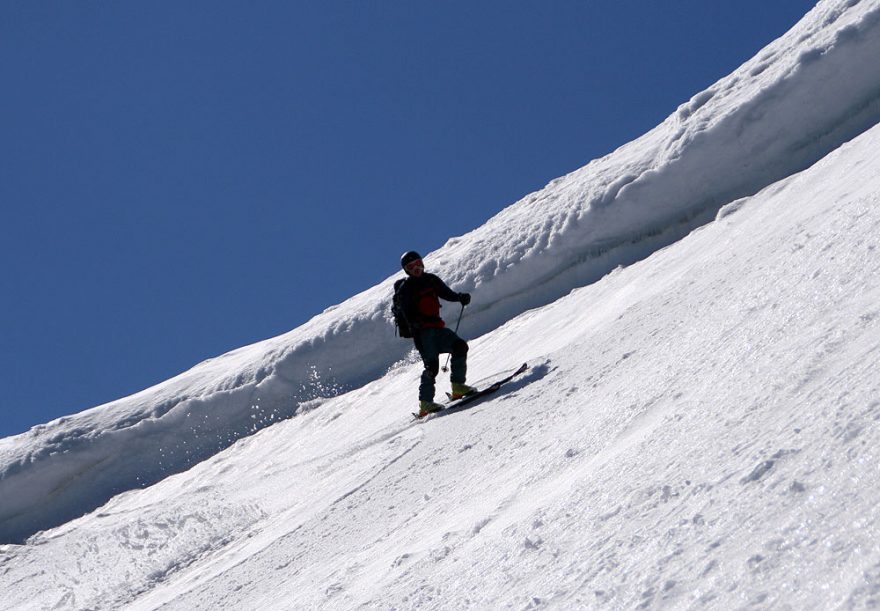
696, 429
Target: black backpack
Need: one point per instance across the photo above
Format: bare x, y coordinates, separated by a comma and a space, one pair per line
400, 321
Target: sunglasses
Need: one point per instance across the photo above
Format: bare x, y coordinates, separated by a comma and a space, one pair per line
412, 265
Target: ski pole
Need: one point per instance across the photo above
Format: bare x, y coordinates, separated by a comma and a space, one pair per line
449, 356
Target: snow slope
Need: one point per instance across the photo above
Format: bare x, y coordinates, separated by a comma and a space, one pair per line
798, 99
697, 430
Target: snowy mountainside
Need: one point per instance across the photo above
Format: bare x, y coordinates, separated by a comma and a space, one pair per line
801, 97
697, 430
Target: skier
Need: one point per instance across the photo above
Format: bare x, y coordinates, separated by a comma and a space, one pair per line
419, 295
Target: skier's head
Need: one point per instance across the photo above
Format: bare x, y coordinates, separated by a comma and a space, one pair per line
411, 262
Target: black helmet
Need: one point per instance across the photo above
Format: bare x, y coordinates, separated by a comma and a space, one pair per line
409, 257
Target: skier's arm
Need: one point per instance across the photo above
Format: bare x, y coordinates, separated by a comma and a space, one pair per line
444, 292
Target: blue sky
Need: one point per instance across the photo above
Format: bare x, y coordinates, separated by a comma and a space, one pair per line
179, 179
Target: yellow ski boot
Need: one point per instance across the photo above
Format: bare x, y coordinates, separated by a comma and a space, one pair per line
428, 407
461, 390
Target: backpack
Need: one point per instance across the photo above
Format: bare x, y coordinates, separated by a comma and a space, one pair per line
400, 322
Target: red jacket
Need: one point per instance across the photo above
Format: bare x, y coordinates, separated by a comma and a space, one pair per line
420, 298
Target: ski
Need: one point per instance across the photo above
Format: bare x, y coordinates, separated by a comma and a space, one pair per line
492, 388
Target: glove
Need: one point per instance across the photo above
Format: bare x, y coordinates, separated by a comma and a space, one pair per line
464, 298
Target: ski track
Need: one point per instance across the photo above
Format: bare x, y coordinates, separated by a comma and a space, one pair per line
692, 452
674, 444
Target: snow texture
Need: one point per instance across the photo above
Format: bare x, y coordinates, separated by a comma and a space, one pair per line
698, 427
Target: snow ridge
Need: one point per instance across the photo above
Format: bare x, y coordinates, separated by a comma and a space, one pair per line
697, 430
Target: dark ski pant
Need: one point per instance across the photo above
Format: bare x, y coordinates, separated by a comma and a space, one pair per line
431, 343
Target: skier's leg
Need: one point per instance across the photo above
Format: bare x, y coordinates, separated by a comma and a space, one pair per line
449, 342
459, 361
427, 386
431, 359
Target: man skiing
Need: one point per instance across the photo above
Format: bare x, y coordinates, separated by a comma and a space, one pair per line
419, 295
